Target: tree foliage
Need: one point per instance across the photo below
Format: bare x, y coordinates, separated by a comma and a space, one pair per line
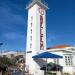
5, 61
52, 67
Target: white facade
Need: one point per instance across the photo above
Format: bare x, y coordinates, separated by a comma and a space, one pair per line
34, 30
68, 60
36, 35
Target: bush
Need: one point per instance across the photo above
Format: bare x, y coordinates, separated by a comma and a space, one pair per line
66, 74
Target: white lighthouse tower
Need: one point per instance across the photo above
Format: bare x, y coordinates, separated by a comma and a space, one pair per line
36, 34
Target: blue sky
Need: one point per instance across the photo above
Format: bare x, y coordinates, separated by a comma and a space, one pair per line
13, 23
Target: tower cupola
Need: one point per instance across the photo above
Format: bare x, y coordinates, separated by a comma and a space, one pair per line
42, 3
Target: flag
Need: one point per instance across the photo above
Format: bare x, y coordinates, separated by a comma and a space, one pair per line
1, 43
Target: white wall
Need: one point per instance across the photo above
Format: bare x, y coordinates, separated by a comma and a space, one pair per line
35, 29
34, 68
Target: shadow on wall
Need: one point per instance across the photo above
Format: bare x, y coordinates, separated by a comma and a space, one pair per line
40, 62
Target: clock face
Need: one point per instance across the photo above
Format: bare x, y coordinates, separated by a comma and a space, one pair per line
41, 11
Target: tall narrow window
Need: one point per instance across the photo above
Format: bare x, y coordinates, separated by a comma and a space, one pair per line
31, 24
31, 31
30, 38
30, 45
